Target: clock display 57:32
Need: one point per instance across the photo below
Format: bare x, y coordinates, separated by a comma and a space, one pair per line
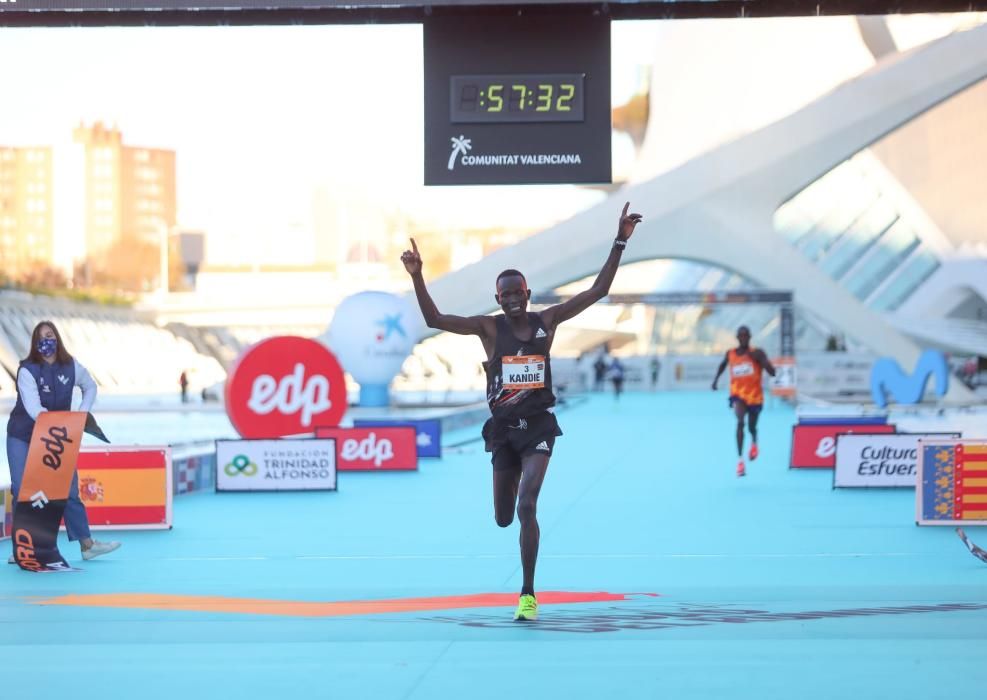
550, 97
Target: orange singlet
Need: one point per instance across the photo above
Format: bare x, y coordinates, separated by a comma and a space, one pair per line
745, 377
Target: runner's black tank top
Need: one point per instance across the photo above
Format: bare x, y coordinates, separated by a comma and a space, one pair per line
523, 385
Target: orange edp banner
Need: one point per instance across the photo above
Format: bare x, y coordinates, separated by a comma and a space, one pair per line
51, 457
48, 471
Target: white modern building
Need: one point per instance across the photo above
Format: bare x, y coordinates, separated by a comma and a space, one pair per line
832, 201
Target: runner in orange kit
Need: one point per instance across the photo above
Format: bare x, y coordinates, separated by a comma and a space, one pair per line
746, 365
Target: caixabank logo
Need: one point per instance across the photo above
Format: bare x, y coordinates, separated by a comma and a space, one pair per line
285, 385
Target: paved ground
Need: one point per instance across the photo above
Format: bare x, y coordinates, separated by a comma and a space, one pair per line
661, 575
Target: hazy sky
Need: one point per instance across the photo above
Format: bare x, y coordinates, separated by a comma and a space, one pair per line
261, 115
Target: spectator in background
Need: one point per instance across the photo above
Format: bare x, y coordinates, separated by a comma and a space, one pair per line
599, 372
616, 372
183, 383
45, 379
582, 380
835, 343
969, 371
655, 369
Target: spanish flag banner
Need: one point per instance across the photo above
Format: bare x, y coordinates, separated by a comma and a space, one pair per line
952, 482
127, 488
51, 463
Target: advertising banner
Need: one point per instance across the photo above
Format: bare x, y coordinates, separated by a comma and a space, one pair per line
276, 465
48, 472
879, 461
887, 378
952, 482
284, 386
784, 382
814, 446
843, 420
428, 432
374, 449
372, 333
126, 488
492, 119
6, 513
835, 374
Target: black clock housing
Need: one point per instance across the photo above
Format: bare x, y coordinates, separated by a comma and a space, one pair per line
517, 98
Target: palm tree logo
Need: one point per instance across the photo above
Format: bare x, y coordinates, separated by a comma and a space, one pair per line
459, 147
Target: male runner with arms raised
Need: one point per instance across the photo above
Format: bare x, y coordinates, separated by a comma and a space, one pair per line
746, 394
522, 430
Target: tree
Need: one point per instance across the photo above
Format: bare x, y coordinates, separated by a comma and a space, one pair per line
130, 264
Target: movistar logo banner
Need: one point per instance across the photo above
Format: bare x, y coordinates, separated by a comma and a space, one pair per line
887, 377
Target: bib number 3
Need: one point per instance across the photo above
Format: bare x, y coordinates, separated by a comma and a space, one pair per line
523, 372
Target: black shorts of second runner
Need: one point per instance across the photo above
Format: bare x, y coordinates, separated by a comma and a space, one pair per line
753, 409
509, 441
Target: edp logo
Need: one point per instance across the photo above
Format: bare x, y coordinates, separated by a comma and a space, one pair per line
291, 394
368, 449
284, 386
826, 447
54, 444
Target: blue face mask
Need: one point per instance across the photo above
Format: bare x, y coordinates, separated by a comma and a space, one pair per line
47, 346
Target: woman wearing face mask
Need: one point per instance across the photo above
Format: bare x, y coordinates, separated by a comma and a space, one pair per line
45, 380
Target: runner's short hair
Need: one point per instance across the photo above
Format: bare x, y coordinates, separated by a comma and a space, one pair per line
511, 273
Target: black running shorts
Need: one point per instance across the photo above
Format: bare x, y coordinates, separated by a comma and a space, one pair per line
509, 441
753, 409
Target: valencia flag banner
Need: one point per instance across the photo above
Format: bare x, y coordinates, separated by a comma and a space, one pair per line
952, 482
51, 463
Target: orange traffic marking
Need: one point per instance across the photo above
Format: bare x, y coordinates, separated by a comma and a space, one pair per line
302, 608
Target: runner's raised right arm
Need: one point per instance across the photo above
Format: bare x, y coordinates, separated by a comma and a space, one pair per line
483, 326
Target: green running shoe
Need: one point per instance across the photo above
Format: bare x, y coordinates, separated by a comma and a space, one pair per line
527, 608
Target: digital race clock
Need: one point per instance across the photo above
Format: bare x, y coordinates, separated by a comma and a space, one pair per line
550, 97
518, 97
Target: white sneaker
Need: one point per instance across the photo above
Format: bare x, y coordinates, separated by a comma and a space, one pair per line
99, 549
11, 560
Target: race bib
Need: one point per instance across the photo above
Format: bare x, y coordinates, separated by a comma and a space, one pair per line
744, 369
523, 372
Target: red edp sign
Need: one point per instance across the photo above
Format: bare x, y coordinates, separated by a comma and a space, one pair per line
283, 386
814, 446
373, 448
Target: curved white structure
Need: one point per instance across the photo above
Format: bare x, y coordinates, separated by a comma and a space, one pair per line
719, 207
951, 284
